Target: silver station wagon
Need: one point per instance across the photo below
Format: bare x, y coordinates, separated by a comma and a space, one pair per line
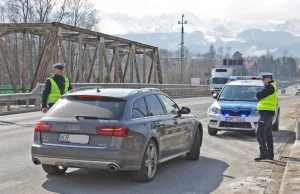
115, 129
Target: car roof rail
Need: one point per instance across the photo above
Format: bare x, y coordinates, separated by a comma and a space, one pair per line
85, 88
152, 89
146, 89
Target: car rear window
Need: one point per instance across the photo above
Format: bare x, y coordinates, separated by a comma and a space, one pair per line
103, 107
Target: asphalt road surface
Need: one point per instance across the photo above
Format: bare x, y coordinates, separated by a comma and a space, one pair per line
226, 164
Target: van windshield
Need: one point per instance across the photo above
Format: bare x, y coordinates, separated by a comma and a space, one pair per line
219, 80
104, 107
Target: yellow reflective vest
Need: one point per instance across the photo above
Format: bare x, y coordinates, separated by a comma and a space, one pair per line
270, 102
55, 92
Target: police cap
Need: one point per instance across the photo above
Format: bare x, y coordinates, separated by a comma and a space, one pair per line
266, 74
59, 65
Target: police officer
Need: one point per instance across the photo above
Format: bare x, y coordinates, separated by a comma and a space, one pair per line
55, 87
266, 106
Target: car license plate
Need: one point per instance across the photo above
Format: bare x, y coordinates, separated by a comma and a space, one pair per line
235, 119
72, 138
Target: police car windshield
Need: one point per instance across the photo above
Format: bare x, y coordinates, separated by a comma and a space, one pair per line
219, 80
240, 93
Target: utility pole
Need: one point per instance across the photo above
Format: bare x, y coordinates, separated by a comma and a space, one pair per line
182, 48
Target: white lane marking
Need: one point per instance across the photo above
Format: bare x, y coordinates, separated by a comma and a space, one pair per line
16, 131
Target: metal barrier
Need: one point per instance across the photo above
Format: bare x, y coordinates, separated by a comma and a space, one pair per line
173, 90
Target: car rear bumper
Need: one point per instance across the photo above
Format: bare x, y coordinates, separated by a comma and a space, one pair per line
84, 158
75, 163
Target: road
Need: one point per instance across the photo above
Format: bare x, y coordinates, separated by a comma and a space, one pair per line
226, 164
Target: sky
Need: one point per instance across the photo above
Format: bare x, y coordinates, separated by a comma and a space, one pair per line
246, 10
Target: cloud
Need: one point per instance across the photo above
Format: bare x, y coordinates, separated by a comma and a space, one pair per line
250, 10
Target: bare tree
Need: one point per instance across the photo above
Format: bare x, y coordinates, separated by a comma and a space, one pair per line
79, 13
41, 12
43, 9
18, 10
2, 11
62, 13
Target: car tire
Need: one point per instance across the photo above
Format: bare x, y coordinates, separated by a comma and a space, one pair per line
195, 149
276, 124
212, 131
54, 170
150, 161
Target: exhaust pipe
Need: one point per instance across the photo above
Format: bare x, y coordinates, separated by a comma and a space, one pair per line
112, 167
36, 161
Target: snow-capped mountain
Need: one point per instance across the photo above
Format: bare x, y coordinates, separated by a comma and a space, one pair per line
119, 23
249, 37
292, 26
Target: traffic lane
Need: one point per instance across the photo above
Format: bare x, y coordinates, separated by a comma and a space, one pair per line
19, 175
226, 161
238, 150
284, 98
227, 152
19, 121
177, 176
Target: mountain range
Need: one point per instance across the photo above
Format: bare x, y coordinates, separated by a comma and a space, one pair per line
249, 37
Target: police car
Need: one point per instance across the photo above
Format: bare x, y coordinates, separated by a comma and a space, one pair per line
235, 107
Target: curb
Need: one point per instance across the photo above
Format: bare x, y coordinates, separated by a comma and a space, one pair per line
290, 183
20, 111
291, 178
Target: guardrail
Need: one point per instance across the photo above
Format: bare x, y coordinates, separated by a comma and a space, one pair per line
173, 90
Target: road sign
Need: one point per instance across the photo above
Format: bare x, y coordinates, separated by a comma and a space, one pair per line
282, 85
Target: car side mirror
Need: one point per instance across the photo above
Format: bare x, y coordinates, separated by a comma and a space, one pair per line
185, 110
215, 95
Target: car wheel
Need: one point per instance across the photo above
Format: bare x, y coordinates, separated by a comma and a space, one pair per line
276, 124
195, 150
54, 170
212, 131
149, 164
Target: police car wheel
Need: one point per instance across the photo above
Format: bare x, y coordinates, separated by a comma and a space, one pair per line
212, 131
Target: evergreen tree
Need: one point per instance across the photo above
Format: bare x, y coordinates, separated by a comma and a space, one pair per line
237, 55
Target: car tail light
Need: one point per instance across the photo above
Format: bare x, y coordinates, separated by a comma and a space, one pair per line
113, 131
42, 127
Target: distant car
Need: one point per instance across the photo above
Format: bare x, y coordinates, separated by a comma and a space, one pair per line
115, 129
297, 91
235, 107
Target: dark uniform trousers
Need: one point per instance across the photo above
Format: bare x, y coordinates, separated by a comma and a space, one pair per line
263, 133
50, 105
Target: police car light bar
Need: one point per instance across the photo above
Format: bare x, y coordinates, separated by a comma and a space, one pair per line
232, 78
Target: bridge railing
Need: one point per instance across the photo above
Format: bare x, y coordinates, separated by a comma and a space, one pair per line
33, 99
